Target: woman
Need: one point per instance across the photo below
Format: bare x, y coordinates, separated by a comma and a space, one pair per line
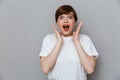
67, 55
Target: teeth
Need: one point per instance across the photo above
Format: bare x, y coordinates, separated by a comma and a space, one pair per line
65, 26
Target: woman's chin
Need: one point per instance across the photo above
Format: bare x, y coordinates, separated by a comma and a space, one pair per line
67, 34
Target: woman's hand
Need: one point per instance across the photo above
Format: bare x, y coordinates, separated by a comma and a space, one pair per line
58, 35
76, 33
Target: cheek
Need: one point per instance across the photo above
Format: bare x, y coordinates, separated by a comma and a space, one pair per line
59, 25
59, 22
72, 27
72, 23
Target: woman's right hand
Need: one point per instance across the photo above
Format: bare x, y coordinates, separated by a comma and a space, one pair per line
58, 35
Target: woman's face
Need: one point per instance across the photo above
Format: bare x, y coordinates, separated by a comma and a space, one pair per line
66, 23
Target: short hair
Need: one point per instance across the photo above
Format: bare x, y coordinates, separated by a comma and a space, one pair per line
65, 9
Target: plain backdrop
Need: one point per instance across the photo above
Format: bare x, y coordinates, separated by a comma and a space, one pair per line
24, 23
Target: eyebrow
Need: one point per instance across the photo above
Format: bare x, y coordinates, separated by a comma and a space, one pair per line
70, 14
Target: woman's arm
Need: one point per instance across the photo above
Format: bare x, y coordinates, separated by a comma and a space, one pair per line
48, 62
88, 62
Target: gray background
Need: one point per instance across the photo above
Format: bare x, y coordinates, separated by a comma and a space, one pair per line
23, 24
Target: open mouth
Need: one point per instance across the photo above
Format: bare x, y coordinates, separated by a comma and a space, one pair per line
66, 27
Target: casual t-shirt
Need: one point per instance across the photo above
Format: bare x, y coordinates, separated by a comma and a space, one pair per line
68, 65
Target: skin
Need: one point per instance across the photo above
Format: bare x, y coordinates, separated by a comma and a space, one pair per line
48, 62
66, 20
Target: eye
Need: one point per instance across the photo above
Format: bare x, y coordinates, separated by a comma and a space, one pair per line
61, 17
70, 17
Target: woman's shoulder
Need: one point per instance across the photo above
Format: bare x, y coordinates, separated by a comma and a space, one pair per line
49, 36
84, 37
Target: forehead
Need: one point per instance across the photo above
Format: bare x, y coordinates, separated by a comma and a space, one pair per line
71, 13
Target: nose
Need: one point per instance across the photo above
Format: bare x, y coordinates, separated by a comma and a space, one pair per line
65, 20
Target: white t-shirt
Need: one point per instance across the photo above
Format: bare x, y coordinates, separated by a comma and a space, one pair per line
68, 66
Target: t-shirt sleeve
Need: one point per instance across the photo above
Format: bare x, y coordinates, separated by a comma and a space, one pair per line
89, 47
46, 46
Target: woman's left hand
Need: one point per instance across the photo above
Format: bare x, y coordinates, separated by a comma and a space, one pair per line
76, 33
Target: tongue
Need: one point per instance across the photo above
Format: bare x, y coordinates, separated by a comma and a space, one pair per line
66, 29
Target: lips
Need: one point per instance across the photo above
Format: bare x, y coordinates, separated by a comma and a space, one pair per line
66, 27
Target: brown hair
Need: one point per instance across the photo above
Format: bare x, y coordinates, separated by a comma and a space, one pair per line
65, 9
